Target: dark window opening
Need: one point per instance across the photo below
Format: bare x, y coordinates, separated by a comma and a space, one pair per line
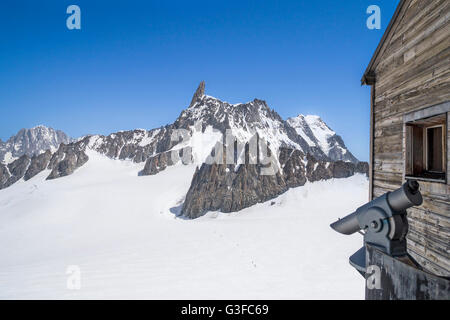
434, 149
425, 148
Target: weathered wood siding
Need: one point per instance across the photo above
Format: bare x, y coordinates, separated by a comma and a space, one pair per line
413, 72
401, 281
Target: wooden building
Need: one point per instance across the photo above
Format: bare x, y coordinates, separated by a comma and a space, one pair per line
409, 75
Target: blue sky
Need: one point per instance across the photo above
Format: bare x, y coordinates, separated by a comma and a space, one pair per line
136, 64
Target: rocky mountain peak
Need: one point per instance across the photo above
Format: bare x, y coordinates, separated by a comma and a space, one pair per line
300, 149
199, 93
319, 135
31, 142
243, 120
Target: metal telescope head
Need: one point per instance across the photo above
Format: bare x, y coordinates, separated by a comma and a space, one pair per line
397, 202
383, 221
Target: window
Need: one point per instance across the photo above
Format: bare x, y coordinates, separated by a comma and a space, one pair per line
435, 147
426, 148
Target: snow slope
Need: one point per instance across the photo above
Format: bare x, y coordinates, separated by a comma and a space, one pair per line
121, 231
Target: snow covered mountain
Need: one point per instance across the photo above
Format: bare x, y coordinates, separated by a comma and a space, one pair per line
317, 134
31, 142
269, 155
120, 208
244, 120
121, 231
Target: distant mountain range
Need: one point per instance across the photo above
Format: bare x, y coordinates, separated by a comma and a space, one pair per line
301, 149
31, 142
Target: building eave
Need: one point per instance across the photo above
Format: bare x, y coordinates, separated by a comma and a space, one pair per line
368, 77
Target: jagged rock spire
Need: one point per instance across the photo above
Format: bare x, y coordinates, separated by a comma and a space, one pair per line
199, 93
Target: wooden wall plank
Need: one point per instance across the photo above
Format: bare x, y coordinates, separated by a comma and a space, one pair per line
413, 72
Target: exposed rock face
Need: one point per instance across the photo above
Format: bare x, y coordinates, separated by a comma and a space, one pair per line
362, 167
136, 145
157, 163
228, 188
18, 168
31, 142
13, 171
38, 164
68, 158
199, 93
4, 175
343, 169
219, 187
317, 170
162, 160
293, 167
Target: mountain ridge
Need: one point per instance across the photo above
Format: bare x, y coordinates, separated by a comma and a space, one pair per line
293, 151
32, 141
317, 133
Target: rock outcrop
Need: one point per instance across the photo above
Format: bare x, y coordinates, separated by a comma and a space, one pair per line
68, 158
37, 164
362, 167
199, 93
4, 176
161, 161
227, 188
136, 145
14, 171
293, 167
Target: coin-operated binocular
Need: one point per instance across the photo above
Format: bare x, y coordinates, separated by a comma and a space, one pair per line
383, 222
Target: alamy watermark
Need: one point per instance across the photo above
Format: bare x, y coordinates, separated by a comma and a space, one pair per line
374, 20
74, 279
373, 277
228, 150
74, 20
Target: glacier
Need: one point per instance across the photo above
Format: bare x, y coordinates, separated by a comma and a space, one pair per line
128, 242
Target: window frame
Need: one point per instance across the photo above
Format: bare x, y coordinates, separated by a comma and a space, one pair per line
412, 119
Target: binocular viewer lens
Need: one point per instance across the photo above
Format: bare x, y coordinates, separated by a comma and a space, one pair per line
413, 186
